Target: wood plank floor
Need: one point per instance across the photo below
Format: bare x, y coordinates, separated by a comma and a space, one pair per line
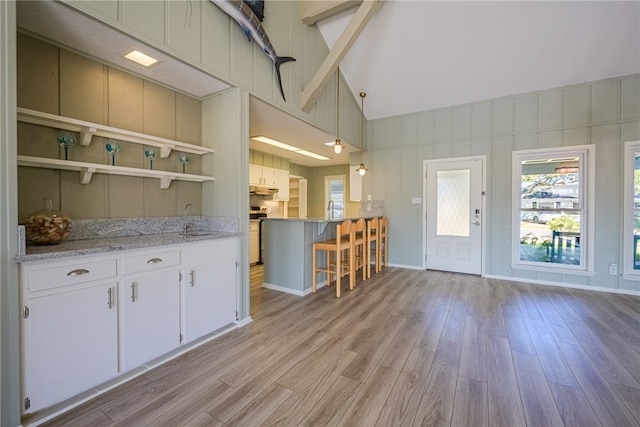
404, 348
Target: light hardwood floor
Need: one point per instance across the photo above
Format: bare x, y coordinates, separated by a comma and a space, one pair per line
404, 348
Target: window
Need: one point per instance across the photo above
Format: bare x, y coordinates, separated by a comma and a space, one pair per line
551, 200
631, 239
334, 192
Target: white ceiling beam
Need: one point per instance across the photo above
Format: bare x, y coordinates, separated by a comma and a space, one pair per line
337, 54
311, 11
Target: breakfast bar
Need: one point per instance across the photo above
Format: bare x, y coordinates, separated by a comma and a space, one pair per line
288, 246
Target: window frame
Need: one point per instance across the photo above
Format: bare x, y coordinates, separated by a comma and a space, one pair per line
628, 272
327, 193
586, 156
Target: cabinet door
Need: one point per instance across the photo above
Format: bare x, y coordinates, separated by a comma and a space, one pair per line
255, 174
210, 298
70, 343
254, 241
282, 184
150, 317
269, 176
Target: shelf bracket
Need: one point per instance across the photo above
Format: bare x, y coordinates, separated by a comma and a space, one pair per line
85, 175
86, 133
165, 181
165, 150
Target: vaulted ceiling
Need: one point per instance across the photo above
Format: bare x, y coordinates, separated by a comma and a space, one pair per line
415, 55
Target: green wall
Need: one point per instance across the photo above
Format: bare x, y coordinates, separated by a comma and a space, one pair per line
604, 113
56, 81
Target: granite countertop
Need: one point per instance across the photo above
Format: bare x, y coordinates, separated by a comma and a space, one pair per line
112, 244
106, 235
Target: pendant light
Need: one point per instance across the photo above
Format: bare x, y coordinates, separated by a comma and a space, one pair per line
337, 146
362, 169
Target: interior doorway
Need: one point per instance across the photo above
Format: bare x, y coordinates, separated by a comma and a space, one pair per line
454, 208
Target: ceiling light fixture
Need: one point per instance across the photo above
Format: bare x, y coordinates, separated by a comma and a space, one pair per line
273, 142
140, 58
337, 146
362, 169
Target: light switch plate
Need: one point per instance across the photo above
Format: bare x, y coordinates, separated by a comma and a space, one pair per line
416, 200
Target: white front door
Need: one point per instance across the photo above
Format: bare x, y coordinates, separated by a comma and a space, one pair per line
454, 212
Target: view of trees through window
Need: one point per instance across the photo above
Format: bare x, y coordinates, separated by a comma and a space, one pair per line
550, 210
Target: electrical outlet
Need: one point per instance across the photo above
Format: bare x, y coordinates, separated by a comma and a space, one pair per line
613, 269
368, 196
416, 200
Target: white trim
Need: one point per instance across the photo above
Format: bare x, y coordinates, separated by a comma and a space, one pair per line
409, 267
563, 285
292, 291
587, 154
628, 271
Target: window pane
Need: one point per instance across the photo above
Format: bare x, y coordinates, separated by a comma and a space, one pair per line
336, 194
453, 203
550, 210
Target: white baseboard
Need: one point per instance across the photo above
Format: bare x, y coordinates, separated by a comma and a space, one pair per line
410, 267
291, 291
563, 284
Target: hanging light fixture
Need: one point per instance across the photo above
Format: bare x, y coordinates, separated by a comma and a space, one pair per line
362, 169
337, 146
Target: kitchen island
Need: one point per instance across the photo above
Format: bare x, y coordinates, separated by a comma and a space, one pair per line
288, 248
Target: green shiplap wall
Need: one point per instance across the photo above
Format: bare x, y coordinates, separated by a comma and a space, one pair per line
604, 113
269, 160
53, 80
200, 34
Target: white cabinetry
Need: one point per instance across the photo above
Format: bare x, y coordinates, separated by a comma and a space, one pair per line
262, 175
69, 333
150, 303
282, 184
209, 287
254, 241
87, 319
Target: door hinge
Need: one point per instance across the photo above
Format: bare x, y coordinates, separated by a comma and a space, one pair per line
181, 338
27, 403
237, 315
236, 263
25, 312
180, 276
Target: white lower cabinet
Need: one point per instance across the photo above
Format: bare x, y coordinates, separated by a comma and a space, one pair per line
85, 320
209, 302
70, 343
150, 317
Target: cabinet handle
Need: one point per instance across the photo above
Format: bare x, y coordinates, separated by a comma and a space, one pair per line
78, 272
154, 260
193, 282
110, 297
133, 292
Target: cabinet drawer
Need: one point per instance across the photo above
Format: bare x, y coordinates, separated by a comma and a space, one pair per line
40, 279
153, 261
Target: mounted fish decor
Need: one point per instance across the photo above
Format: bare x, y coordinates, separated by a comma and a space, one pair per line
249, 15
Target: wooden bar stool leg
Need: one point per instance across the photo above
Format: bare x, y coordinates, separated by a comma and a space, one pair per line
313, 270
338, 267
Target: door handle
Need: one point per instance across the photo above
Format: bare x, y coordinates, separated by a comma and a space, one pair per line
477, 223
133, 292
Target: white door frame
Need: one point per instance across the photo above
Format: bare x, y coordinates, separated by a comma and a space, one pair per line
483, 231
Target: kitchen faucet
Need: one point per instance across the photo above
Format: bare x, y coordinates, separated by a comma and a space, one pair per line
330, 209
186, 227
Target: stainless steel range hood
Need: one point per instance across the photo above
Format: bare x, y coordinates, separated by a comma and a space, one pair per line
259, 190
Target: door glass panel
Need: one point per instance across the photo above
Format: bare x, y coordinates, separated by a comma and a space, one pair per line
453, 202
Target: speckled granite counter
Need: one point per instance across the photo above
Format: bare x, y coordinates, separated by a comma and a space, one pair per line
106, 235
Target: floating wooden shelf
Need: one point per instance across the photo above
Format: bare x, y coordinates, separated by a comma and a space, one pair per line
88, 169
88, 129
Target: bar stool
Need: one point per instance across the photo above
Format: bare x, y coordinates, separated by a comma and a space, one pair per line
342, 248
359, 247
372, 244
384, 243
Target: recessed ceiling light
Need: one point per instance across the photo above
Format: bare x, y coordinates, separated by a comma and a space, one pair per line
288, 147
140, 58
